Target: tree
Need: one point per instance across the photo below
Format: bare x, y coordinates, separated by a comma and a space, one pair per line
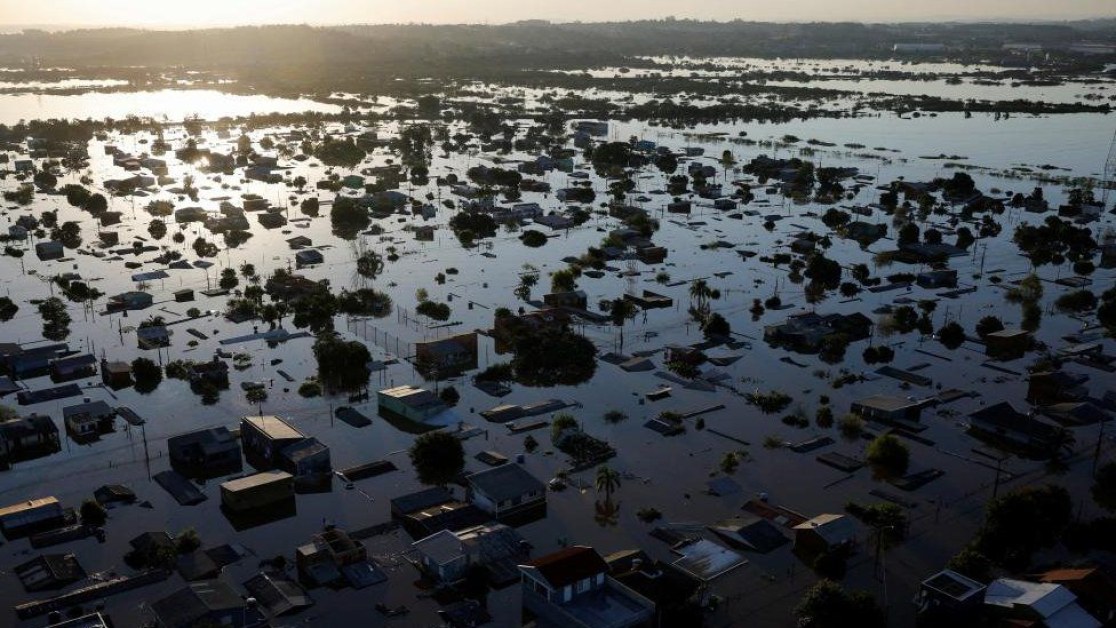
564, 280
370, 264
608, 480
552, 358
228, 279
1021, 522
970, 562
828, 605
147, 375
951, 335
56, 320
716, 326
889, 456
342, 366
8, 309
908, 234
989, 325
1104, 487
438, 457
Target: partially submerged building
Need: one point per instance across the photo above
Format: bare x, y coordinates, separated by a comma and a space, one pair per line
572, 588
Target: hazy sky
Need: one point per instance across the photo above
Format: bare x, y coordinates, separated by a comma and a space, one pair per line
231, 12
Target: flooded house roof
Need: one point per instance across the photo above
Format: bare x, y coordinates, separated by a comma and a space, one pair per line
568, 566
505, 482
272, 427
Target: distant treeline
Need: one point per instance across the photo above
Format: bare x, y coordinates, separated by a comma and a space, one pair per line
303, 58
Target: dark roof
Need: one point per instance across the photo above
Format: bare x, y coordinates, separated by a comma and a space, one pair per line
1003, 416
303, 449
570, 565
421, 500
505, 482
277, 594
187, 606
93, 408
49, 571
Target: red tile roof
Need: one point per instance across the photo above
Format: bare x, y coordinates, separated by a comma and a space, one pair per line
570, 565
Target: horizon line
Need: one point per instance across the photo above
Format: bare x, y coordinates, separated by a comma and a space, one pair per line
66, 27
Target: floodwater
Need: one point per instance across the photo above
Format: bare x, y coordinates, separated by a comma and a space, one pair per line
168, 104
665, 473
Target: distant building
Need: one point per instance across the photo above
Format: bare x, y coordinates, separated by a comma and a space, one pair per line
918, 48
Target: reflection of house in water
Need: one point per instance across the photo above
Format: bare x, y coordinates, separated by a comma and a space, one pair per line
448, 356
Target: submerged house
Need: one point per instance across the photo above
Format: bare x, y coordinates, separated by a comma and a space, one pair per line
452, 355
1004, 423
28, 437
807, 331
410, 403
208, 602
211, 451
73, 367
88, 420
506, 492
888, 409
447, 555
133, 300
265, 437
572, 587
825, 533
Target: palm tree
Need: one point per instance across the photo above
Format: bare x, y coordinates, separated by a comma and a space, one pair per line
608, 480
700, 293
